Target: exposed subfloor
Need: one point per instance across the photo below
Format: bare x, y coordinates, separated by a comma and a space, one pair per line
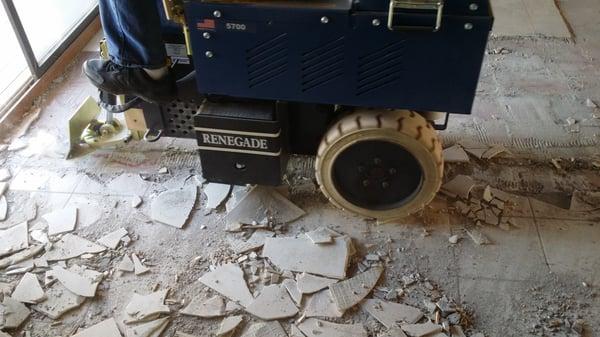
548, 266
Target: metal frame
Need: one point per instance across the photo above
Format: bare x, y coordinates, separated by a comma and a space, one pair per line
38, 69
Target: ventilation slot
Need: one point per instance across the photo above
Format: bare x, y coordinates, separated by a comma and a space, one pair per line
179, 119
267, 61
322, 64
381, 68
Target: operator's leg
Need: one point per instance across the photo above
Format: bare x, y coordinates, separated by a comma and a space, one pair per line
138, 58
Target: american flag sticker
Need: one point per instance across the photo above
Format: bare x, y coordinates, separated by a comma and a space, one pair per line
206, 24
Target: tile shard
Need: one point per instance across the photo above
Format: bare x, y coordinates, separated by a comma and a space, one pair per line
211, 308
263, 202
173, 207
455, 154
143, 308
71, 246
478, 237
390, 314
394, 332
320, 236
29, 290
310, 284
216, 194
78, 280
292, 288
23, 255
107, 328
59, 300
301, 255
3, 208
61, 221
138, 267
112, 240
460, 186
316, 328
256, 241
150, 329
350, 292
266, 329
136, 201
126, 265
419, 330
229, 325
14, 239
15, 313
272, 303
228, 280
321, 305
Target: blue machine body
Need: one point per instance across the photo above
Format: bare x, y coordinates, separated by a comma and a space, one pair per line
340, 52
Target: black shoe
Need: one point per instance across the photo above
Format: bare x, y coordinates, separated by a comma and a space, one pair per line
118, 80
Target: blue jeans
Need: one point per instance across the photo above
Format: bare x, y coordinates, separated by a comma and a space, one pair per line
132, 30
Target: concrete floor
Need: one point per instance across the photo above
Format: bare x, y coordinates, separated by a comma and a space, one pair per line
512, 287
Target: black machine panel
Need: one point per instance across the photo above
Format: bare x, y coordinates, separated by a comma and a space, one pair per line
336, 52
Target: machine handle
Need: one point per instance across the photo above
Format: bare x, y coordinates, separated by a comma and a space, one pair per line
152, 136
416, 5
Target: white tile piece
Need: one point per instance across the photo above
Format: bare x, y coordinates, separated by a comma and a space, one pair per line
136, 201
112, 240
210, 308
455, 154
78, 280
173, 207
15, 313
5, 174
22, 255
390, 314
28, 290
350, 292
126, 265
255, 241
229, 325
3, 188
150, 329
320, 236
460, 185
267, 329
272, 303
310, 284
14, 239
138, 267
71, 246
107, 328
61, 221
316, 328
263, 202
419, 330
228, 280
321, 305
292, 288
301, 255
3, 208
216, 194
59, 300
143, 308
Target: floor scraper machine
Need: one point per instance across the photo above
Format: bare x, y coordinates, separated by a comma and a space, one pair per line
363, 85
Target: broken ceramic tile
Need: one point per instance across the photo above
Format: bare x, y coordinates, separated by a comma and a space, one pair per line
394, 332
39, 236
15, 313
5, 174
301, 255
3, 188
229, 325
14, 239
173, 207
350, 292
390, 314
213, 307
28, 290
310, 284
3, 208
477, 236
143, 308
295, 331
267, 329
136, 201
71, 246
494, 151
138, 267
255, 241
228, 280
261, 203
322, 305
460, 186
316, 328
455, 154
61, 221
112, 240
272, 303
150, 329
78, 280
216, 194
292, 288
23, 255
126, 264
320, 236
59, 300
107, 328
419, 330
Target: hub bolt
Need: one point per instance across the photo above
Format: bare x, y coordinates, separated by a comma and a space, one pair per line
217, 14
324, 20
